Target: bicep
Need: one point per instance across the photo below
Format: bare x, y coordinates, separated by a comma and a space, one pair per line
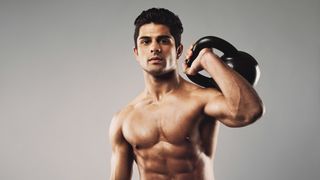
122, 154
217, 108
121, 162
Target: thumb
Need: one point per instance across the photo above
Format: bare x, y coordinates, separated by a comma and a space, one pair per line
188, 70
185, 66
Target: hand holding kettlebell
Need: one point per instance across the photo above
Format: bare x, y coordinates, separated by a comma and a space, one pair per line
240, 61
198, 63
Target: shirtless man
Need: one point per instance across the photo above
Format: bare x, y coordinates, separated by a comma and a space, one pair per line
170, 129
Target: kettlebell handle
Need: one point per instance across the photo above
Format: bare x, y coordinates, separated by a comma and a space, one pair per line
240, 61
211, 42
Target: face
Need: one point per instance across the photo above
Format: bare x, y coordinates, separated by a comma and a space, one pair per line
156, 51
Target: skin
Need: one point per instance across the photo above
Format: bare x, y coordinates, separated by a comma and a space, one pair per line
170, 129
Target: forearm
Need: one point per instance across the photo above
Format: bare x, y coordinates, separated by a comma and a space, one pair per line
242, 100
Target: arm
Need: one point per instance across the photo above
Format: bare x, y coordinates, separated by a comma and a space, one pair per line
237, 104
122, 155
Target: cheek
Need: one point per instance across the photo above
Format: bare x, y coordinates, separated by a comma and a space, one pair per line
142, 58
174, 55
142, 52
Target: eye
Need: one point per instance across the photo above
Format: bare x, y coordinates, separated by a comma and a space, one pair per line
144, 41
164, 41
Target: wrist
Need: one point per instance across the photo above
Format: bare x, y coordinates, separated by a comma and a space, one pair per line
206, 58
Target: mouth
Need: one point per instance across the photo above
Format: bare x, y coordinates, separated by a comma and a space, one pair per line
155, 59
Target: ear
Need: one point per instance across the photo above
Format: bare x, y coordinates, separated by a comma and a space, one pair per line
135, 52
179, 51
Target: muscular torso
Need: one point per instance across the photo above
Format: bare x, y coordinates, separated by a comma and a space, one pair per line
171, 138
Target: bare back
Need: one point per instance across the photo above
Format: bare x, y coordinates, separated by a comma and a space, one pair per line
171, 138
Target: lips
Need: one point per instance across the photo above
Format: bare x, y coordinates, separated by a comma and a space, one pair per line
155, 59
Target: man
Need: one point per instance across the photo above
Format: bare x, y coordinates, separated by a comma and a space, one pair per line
170, 129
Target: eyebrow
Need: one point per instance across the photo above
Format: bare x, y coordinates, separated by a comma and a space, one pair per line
158, 37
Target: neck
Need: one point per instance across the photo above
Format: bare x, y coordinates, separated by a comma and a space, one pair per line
159, 86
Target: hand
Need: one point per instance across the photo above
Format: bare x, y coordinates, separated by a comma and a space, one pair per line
198, 64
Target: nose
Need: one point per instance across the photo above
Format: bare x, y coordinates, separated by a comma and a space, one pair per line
155, 47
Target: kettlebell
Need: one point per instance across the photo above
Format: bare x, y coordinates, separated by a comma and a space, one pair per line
239, 61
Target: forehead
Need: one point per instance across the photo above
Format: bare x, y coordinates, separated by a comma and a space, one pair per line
154, 30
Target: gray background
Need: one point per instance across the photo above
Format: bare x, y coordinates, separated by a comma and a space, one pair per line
66, 66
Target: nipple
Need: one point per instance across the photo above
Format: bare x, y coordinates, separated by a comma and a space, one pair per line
188, 138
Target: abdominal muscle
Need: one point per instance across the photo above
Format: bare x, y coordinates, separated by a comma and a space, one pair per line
171, 139
165, 161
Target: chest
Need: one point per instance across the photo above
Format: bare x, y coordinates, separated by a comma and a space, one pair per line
173, 122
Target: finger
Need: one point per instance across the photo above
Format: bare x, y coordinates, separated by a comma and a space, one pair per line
188, 70
185, 67
190, 50
189, 54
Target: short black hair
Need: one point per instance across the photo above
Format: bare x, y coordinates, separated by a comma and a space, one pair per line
159, 16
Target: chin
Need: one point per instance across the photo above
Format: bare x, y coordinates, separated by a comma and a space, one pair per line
155, 72
162, 73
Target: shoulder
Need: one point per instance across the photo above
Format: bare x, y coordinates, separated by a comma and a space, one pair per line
120, 116
116, 135
115, 128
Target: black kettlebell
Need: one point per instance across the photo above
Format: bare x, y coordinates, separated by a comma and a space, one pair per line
239, 61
